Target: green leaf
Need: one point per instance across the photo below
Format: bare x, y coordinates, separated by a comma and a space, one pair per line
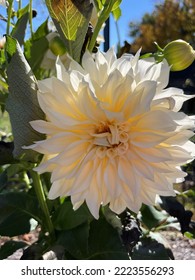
190, 235
41, 31
75, 241
22, 103
19, 30
3, 180
150, 249
36, 47
16, 223
2, 58
95, 241
151, 217
71, 18
10, 47
22, 11
36, 50
105, 243
66, 218
117, 13
98, 4
6, 153
177, 210
16, 210
116, 4
10, 247
3, 96
103, 3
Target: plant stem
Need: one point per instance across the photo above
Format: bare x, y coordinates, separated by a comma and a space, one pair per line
101, 20
42, 201
118, 34
30, 17
19, 4
9, 15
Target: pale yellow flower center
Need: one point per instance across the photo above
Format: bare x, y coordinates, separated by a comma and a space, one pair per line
111, 139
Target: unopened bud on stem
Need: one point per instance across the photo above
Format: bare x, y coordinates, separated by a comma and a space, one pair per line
57, 46
179, 54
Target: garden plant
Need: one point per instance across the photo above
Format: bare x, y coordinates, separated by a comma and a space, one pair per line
98, 145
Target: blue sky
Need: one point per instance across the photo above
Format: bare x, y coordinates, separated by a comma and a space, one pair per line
132, 11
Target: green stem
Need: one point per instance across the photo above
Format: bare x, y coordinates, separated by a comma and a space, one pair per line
118, 34
30, 18
9, 15
101, 20
26, 179
42, 201
158, 47
19, 4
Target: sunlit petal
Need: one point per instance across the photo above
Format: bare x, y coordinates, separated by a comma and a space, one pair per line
114, 135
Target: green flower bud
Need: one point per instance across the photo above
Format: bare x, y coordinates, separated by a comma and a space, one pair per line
57, 46
179, 54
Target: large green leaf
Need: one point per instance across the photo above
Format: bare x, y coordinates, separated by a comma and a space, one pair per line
97, 240
19, 29
36, 47
105, 243
151, 217
177, 210
6, 153
75, 241
22, 103
66, 218
71, 18
16, 210
37, 50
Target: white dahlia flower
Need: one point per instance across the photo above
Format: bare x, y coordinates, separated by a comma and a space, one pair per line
114, 133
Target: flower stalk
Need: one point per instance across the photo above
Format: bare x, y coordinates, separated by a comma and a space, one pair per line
42, 201
30, 18
19, 4
101, 20
9, 15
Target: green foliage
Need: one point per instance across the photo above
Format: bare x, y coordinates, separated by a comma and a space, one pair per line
75, 241
6, 153
36, 47
100, 4
93, 242
23, 193
19, 29
117, 13
102, 246
22, 103
16, 210
71, 19
151, 217
66, 218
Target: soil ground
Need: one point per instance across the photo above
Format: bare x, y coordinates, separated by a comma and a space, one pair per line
182, 247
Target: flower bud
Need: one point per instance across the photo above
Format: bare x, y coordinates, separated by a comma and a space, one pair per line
179, 55
2, 42
57, 46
